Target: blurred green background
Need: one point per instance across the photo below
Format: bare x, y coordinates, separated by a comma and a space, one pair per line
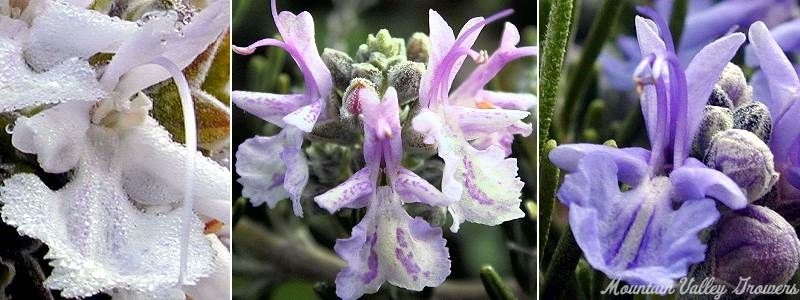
279, 256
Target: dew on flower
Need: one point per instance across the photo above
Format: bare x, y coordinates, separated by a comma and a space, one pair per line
93, 175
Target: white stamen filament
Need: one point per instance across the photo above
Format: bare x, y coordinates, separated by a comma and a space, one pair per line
190, 132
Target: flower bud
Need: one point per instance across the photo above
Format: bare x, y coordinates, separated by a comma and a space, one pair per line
743, 157
719, 98
419, 46
383, 43
340, 65
754, 117
715, 119
369, 72
733, 82
351, 101
753, 242
405, 77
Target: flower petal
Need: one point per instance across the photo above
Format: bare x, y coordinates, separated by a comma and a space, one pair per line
261, 173
89, 32
58, 148
388, 245
153, 163
505, 100
98, 240
305, 117
701, 75
631, 163
491, 189
478, 122
412, 188
159, 38
68, 81
633, 235
693, 183
217, 285
270, 107
784, 85
355, 192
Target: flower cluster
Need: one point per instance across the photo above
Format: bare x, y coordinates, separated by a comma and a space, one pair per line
639, 215
395, 98
140, 214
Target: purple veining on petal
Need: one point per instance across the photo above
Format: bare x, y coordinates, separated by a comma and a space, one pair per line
400, 234
412, 268
372, 261
277, 180
472, 187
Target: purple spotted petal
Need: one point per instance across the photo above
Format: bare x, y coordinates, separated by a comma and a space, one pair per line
268, 178
477, 122
296, 167
355, 192
305, 117
631, 235
269, 107
390, 246
490, 187
412, 188
518, 101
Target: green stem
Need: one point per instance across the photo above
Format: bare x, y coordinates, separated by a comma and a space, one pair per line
677, 20
579, 77
562, 267
547, 194
553, 50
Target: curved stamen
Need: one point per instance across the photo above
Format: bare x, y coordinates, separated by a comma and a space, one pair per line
190, 130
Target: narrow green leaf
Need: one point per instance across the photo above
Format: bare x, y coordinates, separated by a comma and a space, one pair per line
553, 51
494, 285
561, 269
548, 183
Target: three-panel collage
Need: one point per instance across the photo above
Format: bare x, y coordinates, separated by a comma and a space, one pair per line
399, 150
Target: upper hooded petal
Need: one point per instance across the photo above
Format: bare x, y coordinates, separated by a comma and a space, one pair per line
159, 38
703, 72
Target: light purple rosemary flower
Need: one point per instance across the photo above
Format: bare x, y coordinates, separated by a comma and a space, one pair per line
646, 231
387, 245
266, 177
482, 182
779, 90
705, 21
